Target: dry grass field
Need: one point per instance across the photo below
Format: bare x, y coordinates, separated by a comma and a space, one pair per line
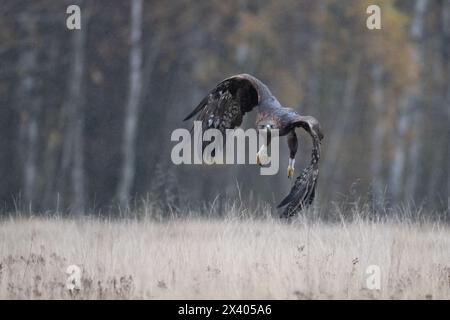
228, 258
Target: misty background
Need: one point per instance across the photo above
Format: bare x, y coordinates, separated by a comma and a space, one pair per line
86, 115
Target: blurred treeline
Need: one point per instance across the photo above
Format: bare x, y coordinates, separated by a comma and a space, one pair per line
86, 115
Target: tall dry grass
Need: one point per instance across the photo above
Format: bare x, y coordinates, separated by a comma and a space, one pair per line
229, 258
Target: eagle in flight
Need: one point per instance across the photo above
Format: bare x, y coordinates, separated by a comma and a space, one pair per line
224, 108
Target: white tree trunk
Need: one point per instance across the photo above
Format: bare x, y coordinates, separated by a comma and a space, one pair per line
446, 106
378, 135
409, 114
396, 177
416, 110
78, 176
313, 80
132, 106
29, 108
73, 148
437, 158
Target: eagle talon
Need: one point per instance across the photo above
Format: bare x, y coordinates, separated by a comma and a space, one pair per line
290, 172
261, 159
290, 168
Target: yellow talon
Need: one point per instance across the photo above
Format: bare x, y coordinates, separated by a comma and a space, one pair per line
262, 159
290, 172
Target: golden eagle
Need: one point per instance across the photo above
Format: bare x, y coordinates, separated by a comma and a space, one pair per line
224, 107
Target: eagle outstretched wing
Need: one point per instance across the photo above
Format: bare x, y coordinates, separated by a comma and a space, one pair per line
225, 105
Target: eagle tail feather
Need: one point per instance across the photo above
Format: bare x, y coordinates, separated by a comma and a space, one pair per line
286, 200
302, 193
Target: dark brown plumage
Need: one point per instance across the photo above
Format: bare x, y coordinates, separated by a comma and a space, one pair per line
304, 189
225, 106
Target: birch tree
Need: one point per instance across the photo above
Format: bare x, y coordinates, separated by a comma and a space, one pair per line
446, 106
410, 116
416, 107
29, 108
399, 159
73, 147
127, 171
378, 134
